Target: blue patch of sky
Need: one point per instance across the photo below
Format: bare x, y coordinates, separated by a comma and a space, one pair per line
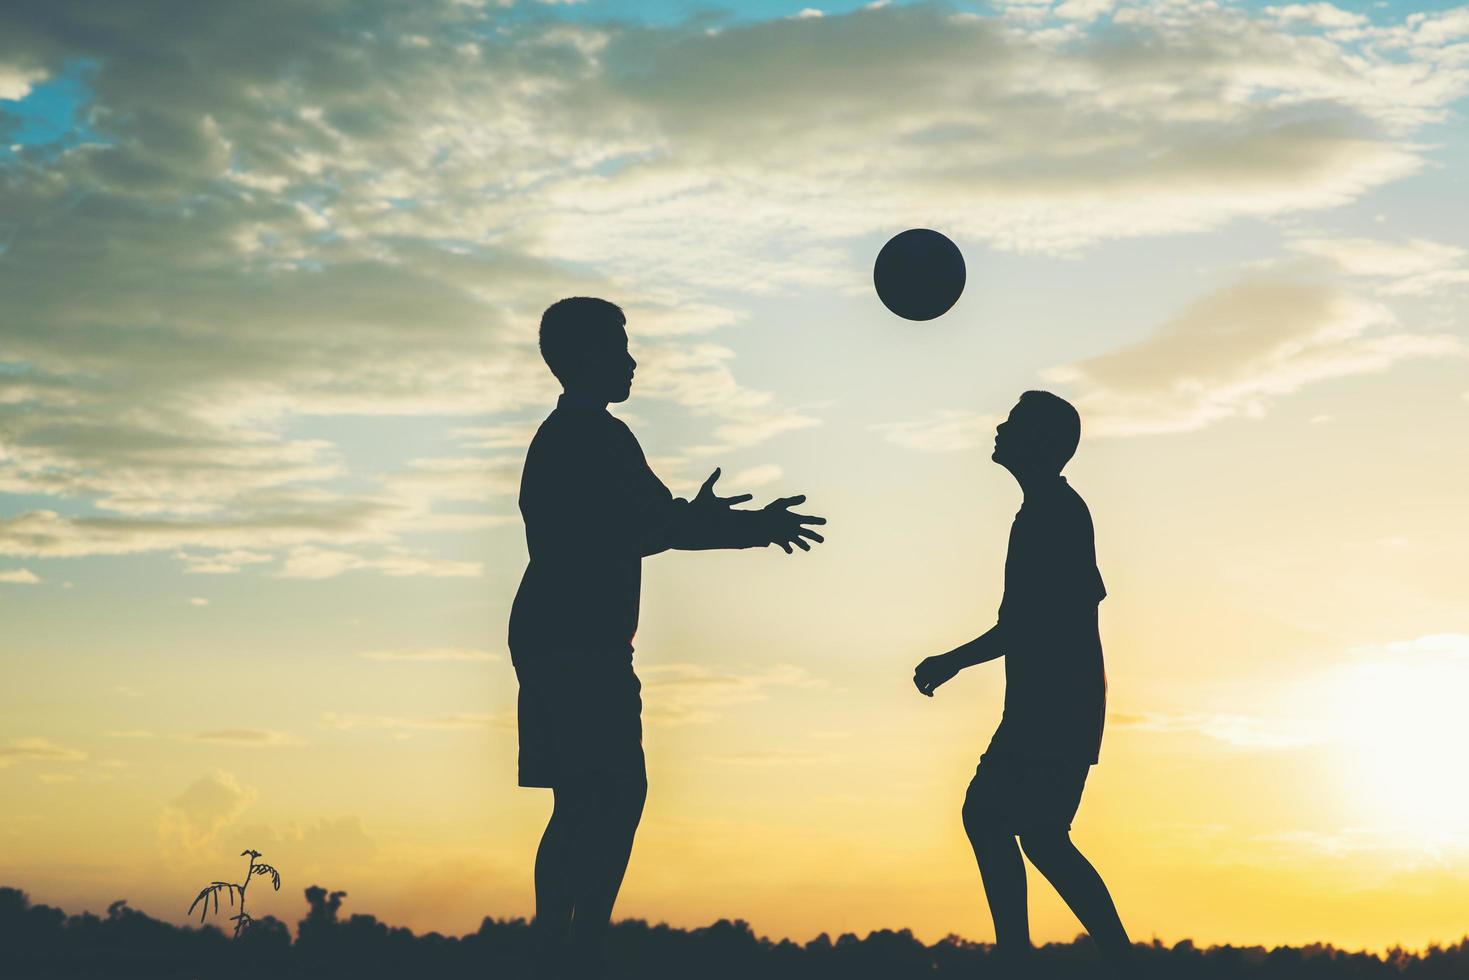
12, 504
372, 447
51, 115
672, 12
683, 12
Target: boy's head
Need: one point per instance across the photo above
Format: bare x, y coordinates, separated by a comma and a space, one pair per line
585, 345
1040, 435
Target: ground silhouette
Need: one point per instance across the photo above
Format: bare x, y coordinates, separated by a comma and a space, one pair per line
43, 942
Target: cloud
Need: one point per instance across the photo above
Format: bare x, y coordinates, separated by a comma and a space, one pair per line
243, 737
754, 476
1238, 731
20, 576
1414, 267
196, 601
247, 737
698, 378
946, 430
221, 562
311, 562
764, 760
240, 247
1434, 645
328, 843
431, 654
465, 722
37, 750
1232, 352
680, 694
190, 825
56, 777
16, 82
508, 436
1317, 15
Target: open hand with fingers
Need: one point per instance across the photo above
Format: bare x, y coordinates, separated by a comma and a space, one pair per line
725, 527
788, 528
707, 501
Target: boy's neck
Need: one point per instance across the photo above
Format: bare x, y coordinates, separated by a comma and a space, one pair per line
581, 399
1036, 481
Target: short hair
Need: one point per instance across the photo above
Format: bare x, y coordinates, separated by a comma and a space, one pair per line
565, 324
1059, 423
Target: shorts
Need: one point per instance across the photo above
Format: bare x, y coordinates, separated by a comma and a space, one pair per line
579, 718
1019, 794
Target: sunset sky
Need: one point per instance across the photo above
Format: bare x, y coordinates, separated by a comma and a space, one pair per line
269, 280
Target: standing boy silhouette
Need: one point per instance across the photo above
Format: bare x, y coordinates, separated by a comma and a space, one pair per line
1029, 781
592, 510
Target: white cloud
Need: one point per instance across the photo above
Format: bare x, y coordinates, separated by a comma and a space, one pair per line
197, 601
1317, 15
754, 476
1084, 10
221, 562
1416, 266
430, 654
464, 722
20, 576
1232, 352
1239, 731
680, 694
16, 82
190, 825
1448, 645
261, 247
946, 430
311, 562
37, 750
247, 737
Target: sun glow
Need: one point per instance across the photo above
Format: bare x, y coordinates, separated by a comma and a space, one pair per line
1404, 728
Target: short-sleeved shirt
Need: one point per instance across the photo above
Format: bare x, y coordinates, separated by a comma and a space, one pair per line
593, 508
1055, 681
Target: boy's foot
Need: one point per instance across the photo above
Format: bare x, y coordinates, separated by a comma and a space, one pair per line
1006, 964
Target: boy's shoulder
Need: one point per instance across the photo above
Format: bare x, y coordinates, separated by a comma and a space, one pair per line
577, 433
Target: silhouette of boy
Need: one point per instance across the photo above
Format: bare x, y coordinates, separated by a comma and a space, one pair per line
592, 510
1029, 781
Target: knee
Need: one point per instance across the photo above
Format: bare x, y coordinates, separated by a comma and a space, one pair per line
1046, 848
622, 799
981, 822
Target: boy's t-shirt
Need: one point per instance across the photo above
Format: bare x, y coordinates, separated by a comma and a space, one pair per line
593, 508
1055, 682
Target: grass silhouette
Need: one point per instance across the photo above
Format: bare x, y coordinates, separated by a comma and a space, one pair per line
242, 921
38, 942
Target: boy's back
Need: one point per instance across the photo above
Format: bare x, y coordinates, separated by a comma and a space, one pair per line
1055, 682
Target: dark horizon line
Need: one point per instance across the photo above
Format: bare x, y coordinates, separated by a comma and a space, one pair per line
122, 907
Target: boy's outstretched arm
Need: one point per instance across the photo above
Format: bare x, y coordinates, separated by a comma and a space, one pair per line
938, 669
709, 522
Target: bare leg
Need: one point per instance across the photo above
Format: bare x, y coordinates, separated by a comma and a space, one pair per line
603, 846
1082, 889
554, 885
1003, 872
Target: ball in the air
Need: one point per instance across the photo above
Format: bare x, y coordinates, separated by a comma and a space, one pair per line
919, 274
